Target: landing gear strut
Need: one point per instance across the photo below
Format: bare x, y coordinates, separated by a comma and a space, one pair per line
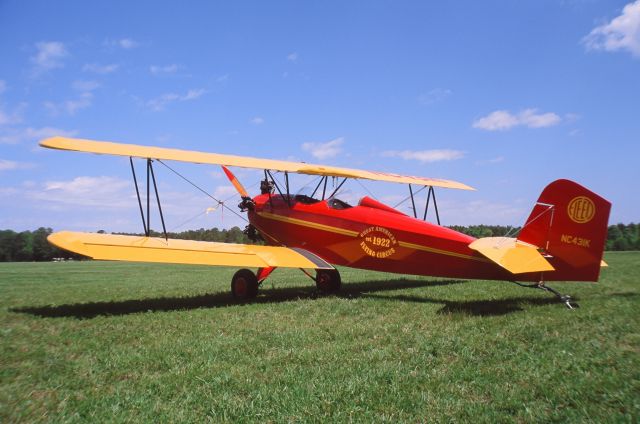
244, 285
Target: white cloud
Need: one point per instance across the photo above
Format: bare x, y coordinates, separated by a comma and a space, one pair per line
100, 69
434, 96
622, 33
571, 117
49, 56
103, 192
500, 120
9, 165
531, 119
167, 69
224, 192
159, 103
324, 150
125, 43
13, 117
15, 136
70, 107
292, 57
82, 85
425, 156
491, 161
10, 118
193, 94
257, 120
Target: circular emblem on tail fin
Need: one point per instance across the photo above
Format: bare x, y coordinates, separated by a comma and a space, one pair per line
581, 209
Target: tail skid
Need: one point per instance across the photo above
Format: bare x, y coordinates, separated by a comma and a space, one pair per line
564, 298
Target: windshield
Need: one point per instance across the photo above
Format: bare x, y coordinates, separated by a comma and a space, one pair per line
335, 203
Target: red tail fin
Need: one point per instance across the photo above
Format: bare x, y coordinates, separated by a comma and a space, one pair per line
569, 222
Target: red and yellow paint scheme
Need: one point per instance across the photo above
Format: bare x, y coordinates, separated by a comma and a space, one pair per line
551, 247
563, 238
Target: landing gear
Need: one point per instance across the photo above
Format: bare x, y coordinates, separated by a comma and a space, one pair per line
244, 285
328, 280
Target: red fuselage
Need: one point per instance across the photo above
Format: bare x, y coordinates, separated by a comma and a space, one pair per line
370, 236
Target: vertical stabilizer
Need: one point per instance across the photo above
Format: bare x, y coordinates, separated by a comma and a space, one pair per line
569, 223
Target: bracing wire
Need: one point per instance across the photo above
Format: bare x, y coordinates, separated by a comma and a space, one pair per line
408, 197
366, 189
220, 202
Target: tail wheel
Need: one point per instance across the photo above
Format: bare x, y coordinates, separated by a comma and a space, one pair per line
244, 285
328, 280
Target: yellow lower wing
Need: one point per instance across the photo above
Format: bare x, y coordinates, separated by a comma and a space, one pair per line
513, 255
151, 249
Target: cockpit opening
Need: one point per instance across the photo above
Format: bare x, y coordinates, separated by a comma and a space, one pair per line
338, 204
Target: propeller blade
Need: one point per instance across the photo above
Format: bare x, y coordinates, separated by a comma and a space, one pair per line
235, 182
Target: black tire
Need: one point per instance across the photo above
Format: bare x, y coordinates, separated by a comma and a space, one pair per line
328, 280
244, 285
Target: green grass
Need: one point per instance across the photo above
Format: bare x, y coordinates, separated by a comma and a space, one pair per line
96, 341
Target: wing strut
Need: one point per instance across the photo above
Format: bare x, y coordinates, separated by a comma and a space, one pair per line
338, 188
151, 177
135, 182
155, 187
275, 183
430, 193
324, 188
413, 202
318, 186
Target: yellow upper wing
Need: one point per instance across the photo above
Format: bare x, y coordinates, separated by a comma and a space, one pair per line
151, 249
109, 148
515, 256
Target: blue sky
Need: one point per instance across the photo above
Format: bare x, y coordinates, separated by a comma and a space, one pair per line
504, 96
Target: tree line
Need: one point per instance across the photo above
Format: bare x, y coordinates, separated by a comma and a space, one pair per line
28, 246
619, 236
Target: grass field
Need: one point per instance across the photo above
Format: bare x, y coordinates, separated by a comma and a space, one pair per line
96, 341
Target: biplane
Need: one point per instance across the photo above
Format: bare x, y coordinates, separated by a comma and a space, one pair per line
562, 240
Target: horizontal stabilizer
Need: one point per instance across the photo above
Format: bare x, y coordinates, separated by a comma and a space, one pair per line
515, 256
152, 249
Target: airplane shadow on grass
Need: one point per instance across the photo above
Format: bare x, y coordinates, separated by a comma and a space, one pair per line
288, 294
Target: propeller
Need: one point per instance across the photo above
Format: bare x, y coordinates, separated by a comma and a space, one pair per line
247, 202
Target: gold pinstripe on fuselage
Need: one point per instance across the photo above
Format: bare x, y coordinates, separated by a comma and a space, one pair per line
351, 233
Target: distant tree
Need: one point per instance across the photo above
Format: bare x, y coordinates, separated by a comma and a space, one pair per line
23, 247
7, 245
42, 250
234, 235
623, 237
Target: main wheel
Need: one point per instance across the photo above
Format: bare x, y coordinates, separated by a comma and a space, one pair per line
244, 285
328, 280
